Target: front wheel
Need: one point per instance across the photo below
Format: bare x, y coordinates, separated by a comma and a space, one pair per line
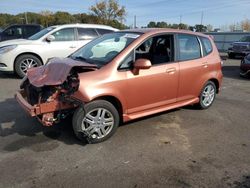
207, 95
97, 122
24, 62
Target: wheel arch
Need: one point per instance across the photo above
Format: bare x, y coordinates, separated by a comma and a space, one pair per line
114, 101
216, 82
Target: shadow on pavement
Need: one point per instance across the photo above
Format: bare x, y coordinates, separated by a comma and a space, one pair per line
14, 120
8, 75
232, 72
244, 183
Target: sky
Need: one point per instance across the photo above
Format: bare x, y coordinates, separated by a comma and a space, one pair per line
215, 12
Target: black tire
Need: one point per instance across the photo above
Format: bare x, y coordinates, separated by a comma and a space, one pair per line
231, 55
202, 104
19, 62
79, 117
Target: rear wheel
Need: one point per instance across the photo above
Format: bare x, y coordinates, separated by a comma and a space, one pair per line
24, 62
207, 95
97, 122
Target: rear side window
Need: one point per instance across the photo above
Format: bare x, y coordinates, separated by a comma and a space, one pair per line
207, 46
103, 31
189, 47
86, 33
64, 35
31, 30
14, 31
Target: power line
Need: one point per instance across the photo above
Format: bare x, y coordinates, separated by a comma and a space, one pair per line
208, 9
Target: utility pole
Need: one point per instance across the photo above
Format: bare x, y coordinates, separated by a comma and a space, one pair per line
202, 17
180, 19
135, 21
26, 18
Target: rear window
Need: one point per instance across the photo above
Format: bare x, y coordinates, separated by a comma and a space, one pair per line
207, 46
189, 47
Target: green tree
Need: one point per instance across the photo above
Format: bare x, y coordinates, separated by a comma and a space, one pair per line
200, 28
162, 25
108, 11
46, 18
174, 26
191, 28
151, 24
183, 26
63, 18
2, 22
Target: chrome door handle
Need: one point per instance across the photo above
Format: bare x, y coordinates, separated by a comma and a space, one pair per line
171, 70
72, 46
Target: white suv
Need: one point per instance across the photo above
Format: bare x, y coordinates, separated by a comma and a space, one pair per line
55, 41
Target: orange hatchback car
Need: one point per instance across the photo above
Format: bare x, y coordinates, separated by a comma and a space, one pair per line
122, 76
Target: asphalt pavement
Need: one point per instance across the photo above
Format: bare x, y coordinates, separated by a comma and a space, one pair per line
179, 148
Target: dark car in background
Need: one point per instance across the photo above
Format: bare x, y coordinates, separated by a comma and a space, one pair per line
245, 67
241, 48
19, 31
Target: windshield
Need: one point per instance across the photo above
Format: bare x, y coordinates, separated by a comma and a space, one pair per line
41, 33
104, 49
245, 39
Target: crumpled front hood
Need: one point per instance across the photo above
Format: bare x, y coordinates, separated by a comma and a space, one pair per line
55, 72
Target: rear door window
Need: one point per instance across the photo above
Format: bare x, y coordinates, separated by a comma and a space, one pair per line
207, 46
86, 33
189, 47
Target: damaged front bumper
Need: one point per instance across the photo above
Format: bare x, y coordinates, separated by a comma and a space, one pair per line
22, 100
43, 111
47, 92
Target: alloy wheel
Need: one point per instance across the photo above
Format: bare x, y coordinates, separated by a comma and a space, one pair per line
98, 123
26, 64
208, 95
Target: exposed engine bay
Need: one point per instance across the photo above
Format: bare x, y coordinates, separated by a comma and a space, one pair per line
49, 97
51, 94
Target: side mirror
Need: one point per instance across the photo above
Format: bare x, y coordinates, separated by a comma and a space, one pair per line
142, 64
50, 38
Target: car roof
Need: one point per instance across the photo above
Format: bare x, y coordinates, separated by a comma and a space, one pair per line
35, 25
98, 26
163, 30
23, 25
